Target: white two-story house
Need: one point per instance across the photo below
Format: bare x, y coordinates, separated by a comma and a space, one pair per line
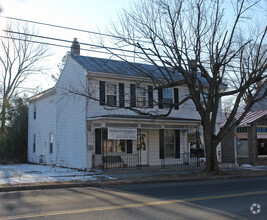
86, 120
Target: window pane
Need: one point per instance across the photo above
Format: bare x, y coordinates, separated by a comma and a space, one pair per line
141, 101
111, 100
120, 146
262, 146
169, 143
141, 97
111, 89
108, 146
167, 93
167, 97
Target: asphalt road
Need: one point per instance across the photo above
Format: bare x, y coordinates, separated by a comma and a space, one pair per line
218, 199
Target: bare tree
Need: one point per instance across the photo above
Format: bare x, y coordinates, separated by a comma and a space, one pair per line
20, 58
195, 43
216, 56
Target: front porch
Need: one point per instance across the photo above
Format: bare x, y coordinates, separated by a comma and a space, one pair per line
140, 142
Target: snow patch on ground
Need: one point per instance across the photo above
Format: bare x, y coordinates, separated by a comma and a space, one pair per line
254, 167
32, 173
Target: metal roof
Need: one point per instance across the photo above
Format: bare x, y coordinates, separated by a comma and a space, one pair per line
251, 117
104, 66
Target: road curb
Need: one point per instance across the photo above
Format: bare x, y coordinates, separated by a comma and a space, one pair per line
127, 181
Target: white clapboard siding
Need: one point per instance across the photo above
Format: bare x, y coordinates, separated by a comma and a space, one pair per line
71, 118
42, 126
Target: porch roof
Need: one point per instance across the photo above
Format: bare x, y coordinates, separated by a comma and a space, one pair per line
142, 121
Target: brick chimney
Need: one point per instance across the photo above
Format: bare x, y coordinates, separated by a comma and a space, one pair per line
75, 47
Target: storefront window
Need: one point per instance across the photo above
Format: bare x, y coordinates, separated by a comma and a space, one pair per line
108, 146
114, 146
262, 147
120, 146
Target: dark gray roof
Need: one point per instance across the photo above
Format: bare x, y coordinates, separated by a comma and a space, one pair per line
101, 65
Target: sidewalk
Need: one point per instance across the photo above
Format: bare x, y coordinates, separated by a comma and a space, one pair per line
145, 175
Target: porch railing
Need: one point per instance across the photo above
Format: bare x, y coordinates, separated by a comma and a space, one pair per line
184, 159
120, 160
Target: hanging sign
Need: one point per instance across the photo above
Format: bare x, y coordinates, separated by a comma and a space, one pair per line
122, 134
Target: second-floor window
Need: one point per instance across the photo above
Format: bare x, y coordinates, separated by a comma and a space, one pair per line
111, 94
111, 89
141, 97
167, 97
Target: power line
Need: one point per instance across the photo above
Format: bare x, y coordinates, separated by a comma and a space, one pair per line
86, 44
90, 50
63, 46
60, 26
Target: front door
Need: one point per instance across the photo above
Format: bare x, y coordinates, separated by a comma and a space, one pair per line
142, 148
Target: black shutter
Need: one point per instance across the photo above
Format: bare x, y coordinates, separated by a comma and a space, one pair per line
150, 96
97, 141
104, 134
129, 146
177, 143
176, 98
160, 98
102, 92
161, 143
133, 95
121, 94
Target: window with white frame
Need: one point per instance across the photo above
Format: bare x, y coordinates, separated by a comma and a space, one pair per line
167, 97
111, 93
141, 97
114, 146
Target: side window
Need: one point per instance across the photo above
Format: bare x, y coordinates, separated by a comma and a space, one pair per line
51, 142
34, 111
34, 143
111, 91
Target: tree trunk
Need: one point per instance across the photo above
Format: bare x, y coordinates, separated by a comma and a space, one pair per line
211, 154
3, 116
